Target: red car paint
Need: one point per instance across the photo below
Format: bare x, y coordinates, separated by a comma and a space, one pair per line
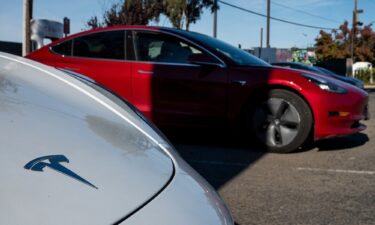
184, 94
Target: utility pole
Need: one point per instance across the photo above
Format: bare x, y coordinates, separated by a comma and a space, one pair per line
27, 16
354, 25
261, 42
268, 22
261, 37
215, 19
356, 11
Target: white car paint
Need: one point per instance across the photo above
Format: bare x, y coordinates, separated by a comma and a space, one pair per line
139, 177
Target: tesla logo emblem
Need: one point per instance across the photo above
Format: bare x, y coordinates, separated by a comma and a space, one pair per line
53, 162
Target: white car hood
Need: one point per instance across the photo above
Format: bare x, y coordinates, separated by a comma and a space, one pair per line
100, 162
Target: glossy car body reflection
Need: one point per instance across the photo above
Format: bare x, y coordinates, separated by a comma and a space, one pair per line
52, 122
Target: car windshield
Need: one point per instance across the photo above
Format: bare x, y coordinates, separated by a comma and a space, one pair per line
238, 56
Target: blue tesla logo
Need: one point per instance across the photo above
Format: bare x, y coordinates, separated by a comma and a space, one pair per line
53, 162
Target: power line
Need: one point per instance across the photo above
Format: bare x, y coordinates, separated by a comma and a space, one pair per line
274, 18
304, 12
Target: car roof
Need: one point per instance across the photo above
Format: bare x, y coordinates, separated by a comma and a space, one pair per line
289, 63
120, 27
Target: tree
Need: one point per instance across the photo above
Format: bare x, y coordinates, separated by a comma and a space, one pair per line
140, 12
337, 44
186, 12
325, 47
129, 12
343, 42
365, 48
93, 23
175, 11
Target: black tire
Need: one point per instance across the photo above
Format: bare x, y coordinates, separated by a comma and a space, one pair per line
280, 121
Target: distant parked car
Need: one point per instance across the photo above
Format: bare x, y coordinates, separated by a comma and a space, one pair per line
186, 79
321, 70
74, 153
356, 82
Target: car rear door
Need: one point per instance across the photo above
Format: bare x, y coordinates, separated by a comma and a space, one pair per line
100, 56
170, 90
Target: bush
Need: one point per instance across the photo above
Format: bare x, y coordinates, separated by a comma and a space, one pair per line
364, 75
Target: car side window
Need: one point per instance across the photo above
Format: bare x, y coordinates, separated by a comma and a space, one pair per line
156, 47
64, 48
103, 45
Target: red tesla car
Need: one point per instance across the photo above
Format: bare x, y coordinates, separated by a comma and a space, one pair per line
186, 79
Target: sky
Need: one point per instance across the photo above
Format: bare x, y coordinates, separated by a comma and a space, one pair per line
234, 26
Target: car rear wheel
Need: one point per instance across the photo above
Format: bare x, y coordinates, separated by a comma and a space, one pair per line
281, 121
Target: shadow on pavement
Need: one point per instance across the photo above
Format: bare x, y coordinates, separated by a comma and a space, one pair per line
370, 90
342, 143
219, 157
215, 155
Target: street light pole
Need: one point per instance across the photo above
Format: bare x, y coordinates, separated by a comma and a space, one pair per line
27, 16
261, 37
354, 25
268, 22
356, 11
215, 19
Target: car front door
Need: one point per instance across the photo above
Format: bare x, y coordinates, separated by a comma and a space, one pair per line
170, 89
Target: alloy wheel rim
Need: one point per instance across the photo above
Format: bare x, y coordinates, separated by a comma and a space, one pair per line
276, 122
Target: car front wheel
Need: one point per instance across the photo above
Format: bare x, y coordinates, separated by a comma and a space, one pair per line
281, 121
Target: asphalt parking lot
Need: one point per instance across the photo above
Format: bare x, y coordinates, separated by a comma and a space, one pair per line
333, 183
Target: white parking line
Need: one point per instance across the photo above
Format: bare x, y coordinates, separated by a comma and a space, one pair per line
337, 171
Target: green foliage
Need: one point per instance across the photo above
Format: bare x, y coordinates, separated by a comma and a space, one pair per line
181, 13
337, 44
175, 10
186, 12
364, 75
129, 12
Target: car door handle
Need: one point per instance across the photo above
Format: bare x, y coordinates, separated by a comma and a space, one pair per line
239, 82
71, 68
145, 72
